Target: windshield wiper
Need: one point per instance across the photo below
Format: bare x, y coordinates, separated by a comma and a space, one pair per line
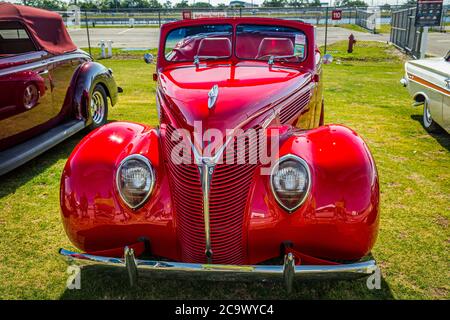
197, 58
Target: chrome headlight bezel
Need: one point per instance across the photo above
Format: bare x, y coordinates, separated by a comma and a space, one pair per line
148, 164
305, 165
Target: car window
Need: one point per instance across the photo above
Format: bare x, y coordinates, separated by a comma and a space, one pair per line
204, 41
14, 39
261, 42
13, 34
447, 57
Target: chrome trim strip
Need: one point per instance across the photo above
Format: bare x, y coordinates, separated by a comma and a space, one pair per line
152, 173
428, 84
243, 271
206, 167
41, 63
206, 170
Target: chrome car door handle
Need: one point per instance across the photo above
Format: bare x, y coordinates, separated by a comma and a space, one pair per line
43, 72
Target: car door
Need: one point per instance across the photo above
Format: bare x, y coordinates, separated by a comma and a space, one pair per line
26, 104
63, 70
439, 95
429, 76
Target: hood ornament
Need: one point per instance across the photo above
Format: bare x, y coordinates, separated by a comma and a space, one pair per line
212, 96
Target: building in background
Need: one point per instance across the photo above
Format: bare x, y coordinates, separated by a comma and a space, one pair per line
242, 4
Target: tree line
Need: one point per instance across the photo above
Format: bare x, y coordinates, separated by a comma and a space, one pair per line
167, 4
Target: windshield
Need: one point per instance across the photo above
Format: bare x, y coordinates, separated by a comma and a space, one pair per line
204, 42
261, 42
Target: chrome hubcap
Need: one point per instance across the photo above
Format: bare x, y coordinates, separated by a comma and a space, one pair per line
30, 96
97, 107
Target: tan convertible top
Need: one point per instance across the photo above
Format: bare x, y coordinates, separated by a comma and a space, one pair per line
46, 28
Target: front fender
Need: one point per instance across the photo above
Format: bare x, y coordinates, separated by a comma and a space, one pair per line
94, 216
89, 75
339, 220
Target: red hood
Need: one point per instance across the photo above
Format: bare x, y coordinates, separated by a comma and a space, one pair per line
244, 91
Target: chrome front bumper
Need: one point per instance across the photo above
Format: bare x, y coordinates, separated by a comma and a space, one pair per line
288, 271
404, 81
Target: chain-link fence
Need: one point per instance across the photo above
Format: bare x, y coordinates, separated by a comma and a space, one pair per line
368, 18
313, 15
156, 17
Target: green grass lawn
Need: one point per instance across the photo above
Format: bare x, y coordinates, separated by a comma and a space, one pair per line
362, 91
121, 54
384, 28
353, 27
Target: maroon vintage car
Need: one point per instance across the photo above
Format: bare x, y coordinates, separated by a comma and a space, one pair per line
49, 89
241, 177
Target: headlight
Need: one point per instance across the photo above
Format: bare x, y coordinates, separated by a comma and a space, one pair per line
135, 180
290, 182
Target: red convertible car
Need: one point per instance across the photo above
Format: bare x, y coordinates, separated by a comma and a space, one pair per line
49, 90
240, 179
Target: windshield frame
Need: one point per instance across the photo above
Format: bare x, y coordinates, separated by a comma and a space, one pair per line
309, 63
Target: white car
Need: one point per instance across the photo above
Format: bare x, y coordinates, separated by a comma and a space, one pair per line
428, 81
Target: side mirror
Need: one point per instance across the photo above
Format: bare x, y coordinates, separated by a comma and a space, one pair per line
327, 59
148, 58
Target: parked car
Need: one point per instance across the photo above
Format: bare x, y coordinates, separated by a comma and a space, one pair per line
310, 209
428, 82
49, 89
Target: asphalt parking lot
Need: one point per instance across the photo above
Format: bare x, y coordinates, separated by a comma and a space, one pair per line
148, 38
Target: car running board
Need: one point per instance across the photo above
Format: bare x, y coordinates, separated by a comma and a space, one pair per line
16, 156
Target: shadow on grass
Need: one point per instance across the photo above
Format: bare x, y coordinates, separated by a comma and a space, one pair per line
100, 282
442, 137
26, 172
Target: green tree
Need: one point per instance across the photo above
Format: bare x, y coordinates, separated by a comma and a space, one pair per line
85, 4
202, 5
154, 4
314, 3
182, 4
222, 6
351, 3
46, 4
386, 7
167, 4
298, 3
274, 3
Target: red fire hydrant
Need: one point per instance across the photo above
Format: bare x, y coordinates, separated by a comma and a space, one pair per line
351, 42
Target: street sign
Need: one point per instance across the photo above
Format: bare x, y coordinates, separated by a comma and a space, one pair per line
428, 13
336, 15
217, 14
187, 14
